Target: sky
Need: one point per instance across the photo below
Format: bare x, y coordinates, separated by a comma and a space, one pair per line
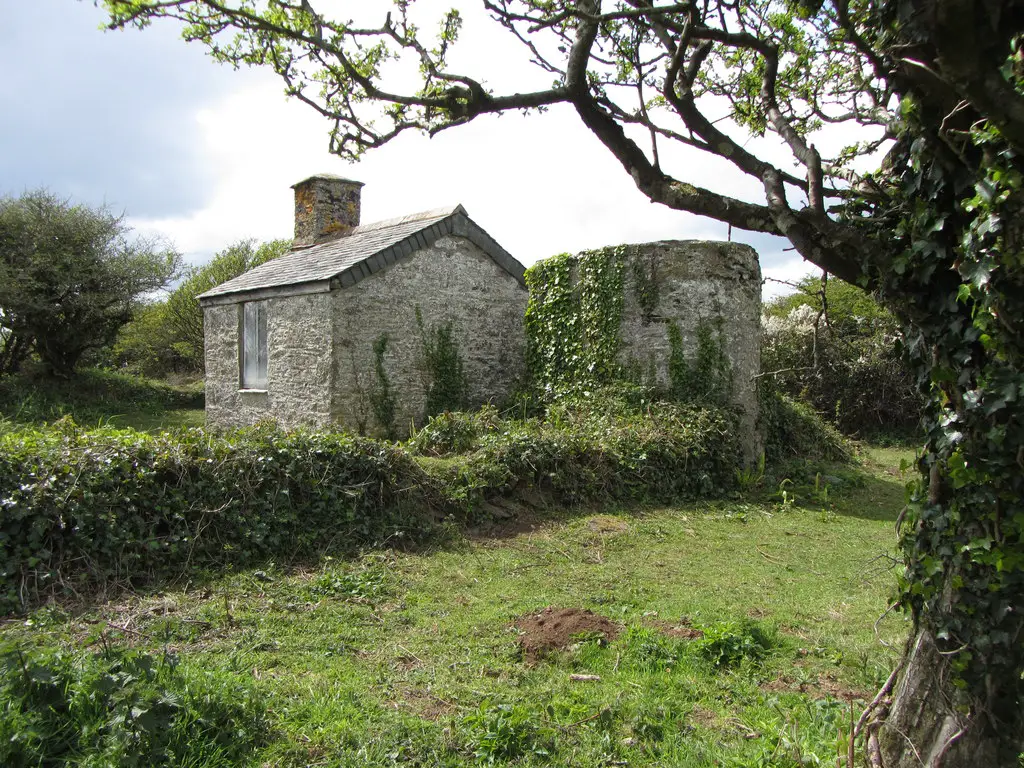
201, 155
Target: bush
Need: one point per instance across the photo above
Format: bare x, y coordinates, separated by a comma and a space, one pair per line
147, 346
793, 429
728, 643
850, 367
123, 505
504, 732
599, 446
582, 453
121, 708
454, 432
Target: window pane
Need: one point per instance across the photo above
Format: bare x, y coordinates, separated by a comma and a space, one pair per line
261, 345
254, 345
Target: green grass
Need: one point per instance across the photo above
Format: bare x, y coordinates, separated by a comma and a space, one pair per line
93, 397
411, 657
158, 420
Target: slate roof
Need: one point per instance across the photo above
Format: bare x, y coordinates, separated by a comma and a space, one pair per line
356, 255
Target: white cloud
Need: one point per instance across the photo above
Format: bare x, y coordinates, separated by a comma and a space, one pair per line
540, 184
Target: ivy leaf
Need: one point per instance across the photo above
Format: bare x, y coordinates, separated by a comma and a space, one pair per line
977, 273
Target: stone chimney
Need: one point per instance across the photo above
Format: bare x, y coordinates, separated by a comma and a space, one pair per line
326, 207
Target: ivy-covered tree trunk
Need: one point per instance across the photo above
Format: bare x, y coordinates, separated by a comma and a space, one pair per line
960, 698
932, 721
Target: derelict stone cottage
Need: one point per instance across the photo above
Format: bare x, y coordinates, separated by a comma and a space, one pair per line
294, 339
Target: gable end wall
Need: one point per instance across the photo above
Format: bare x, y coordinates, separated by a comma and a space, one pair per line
452, 279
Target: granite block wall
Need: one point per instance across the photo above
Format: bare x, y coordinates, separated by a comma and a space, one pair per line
299, 370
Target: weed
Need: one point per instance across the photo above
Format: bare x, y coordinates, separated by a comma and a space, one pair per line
451, 433
368, 583
125, 707
382, 396
499, 732
649, 650
805, 733
786, 498
444, 371
752, 476
728, 643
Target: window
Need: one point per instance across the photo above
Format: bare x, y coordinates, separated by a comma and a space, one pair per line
254, 345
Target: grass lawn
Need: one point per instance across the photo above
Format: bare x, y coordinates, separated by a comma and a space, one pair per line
737, 633
157, 421
94, 397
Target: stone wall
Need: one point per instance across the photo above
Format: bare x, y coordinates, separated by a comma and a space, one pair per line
697, 281
450, 280
299, 367
321, 358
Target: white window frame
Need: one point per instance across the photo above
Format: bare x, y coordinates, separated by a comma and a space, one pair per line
252, 346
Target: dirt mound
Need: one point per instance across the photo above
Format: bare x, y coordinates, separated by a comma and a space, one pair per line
553, 629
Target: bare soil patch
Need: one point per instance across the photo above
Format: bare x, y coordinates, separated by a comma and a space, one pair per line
819, 689
554, 629
680, 629
422, 703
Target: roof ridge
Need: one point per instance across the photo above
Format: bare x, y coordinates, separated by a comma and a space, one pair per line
433, 213
362, 251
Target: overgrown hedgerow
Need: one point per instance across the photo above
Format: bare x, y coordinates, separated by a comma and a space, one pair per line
673, 452
105, 505
126, 506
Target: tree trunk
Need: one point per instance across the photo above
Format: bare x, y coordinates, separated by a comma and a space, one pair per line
931, 722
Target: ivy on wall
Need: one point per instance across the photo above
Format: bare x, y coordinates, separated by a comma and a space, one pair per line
446, 383
707, 378
646, 286
382, 397
573, 329
573, 318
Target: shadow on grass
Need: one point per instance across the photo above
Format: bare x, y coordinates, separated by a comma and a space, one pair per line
874, 488
94, 396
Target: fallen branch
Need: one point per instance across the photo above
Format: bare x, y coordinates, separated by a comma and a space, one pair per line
769, 558
584, 720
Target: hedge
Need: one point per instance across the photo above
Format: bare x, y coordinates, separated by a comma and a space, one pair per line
89, 507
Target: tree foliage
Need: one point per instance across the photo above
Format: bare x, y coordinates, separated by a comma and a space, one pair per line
147, 345
183, 313
832, 345
70, 277
936, 230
